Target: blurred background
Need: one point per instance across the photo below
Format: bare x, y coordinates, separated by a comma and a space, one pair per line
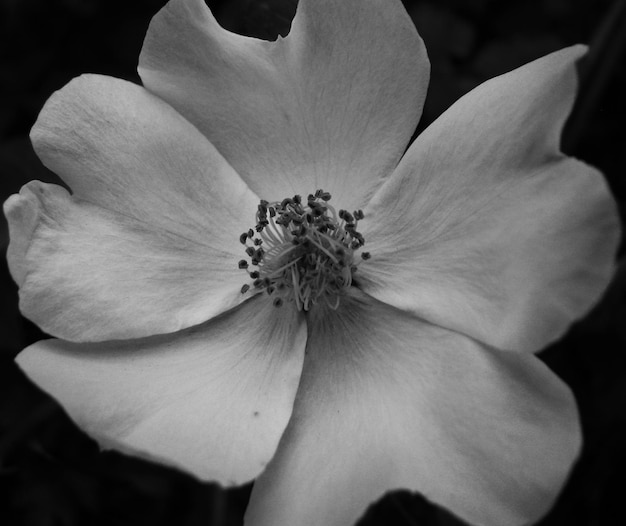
52, 474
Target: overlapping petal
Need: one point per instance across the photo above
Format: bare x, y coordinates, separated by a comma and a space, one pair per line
485, 227
213, 400
387, 402
148, 242
331, 106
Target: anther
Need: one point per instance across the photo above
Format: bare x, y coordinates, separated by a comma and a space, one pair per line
308, 253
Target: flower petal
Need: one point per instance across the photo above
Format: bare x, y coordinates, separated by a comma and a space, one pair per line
149, 241
485, 227
120, 147
331, 106
88, 274
212, 400
387, 401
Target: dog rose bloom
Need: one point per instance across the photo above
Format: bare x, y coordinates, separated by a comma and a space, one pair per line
251, 278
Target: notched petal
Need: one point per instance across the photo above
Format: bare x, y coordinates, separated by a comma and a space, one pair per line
330, 106
147, 242
89, 274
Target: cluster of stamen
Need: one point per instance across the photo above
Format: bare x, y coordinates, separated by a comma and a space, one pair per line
302, 252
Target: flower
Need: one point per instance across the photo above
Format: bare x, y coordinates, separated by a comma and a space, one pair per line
393, 348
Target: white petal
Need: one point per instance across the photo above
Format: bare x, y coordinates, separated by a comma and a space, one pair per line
485, 227
331, 106
149, 241
88, 274
212, 400
120, 147
387, 402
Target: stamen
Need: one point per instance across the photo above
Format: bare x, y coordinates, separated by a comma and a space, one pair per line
304, 253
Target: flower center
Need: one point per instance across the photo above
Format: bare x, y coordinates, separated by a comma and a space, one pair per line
303, 252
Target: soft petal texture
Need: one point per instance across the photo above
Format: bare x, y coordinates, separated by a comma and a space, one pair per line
387, 402
149, 241
212, 400
333, 105
485, 227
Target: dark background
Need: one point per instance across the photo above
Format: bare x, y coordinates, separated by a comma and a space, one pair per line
51, 474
